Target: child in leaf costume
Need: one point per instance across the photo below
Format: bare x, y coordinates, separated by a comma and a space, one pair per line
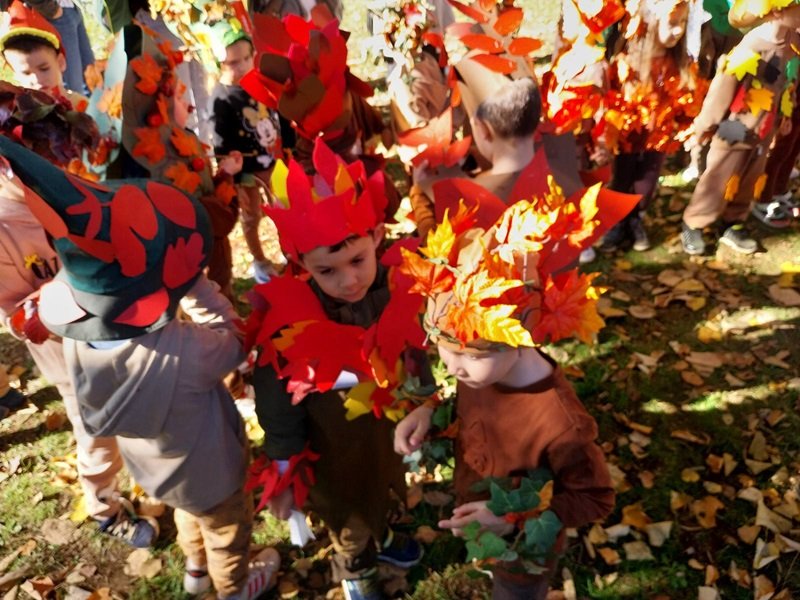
493, 297
339, 360
752, 93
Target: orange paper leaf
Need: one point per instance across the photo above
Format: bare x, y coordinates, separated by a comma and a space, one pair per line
149, 145
146, 67
185, 143
495, 63
508, 21
182, 177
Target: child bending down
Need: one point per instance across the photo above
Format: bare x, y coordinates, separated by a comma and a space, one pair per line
152, 380
516, 411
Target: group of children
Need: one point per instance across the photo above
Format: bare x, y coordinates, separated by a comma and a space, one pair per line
129, 311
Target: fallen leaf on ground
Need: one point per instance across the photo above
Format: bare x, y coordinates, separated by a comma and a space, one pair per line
609, 556
679, 500
57, 531
705, 592
437, 498
639, 311
771, 520
658, 533
426, 534
748, 533
635, 516
692, 378
712, 574
690, 475
140, 563
637, 551
765, 553
688, 436
55, 420
38, 588
784, 296
705, 510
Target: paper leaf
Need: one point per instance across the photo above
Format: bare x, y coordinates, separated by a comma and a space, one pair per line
173, 204
183, 260
498, 64
742, 61
471, 12
146, 67
508, 21
522, 46
478, 41
149, 145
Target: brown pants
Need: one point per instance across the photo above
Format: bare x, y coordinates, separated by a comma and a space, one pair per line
355, 548
506, 588
250, 214
708, 200
219, 538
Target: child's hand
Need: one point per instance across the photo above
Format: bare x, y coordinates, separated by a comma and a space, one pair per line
476, 511
281, 505
601, 155
410, 432
232, 163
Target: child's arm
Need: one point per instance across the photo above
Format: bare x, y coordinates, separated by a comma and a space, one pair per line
213, 347
716, 105
411, 431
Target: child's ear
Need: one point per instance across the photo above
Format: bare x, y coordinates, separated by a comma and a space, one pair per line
378, 235
484, 128
62, 62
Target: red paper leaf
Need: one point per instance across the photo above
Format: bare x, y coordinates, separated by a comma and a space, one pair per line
45, 214
183, 178
173, 204
89, 206
498, 64
149, 73
508, 21
522, 46
479, 41
471, 12
456, 151
146, 310
183, 260
449, 192
532, 181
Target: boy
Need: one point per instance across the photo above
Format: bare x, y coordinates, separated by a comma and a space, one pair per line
142, 375
342, 340
241, 123
502, 129
32, 48
516, 410
752, 90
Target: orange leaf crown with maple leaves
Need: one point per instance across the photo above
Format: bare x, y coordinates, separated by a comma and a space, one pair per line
129, 249
337, 202
21, 20
301, 71
507, 284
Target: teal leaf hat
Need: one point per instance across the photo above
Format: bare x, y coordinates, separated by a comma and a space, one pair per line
129, 249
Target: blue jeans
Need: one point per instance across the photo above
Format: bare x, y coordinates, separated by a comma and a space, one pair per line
78, 50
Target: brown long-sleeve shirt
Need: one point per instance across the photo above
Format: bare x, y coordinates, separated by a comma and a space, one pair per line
506, 432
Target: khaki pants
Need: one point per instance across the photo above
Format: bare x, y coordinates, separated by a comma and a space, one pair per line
98, 457
250, 215
219, 538
723, 162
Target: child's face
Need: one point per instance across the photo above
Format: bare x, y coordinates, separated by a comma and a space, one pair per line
348, 273
477, 368
238, 61
672, 27
40, 69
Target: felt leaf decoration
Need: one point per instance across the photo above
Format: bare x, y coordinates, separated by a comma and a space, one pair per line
473, 13
758, 186
737, 104
449, 193
183, 177
731, 187
149, 145
358, 401
173, 204
569, 307
787, 103
523, 46
145, 310
146, 67
732, 131
476, 41
185, 143
759, 100
792, 67
183, 260
225, 191
742, 61
132, 218
498, 64
508, 21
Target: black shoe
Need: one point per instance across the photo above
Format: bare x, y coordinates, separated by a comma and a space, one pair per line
692, 240
614, 238
737, 238
640, 240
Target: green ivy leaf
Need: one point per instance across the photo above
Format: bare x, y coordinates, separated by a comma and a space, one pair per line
442, 415
500, 503
541, 533
485, 545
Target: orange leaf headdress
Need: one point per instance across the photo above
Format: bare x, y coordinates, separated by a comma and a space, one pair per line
506, 284
337, 202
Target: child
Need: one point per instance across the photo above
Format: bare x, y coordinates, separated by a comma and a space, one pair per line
654, 93
155, 112
32, 48
490, 305
502, 129
27, 262
142, 375
752, 90
242, 124
344, 341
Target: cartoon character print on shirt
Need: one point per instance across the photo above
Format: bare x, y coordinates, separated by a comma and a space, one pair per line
42, 268
260, 122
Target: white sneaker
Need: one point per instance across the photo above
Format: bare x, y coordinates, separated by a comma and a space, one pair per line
196, 580
263, 569
262, 271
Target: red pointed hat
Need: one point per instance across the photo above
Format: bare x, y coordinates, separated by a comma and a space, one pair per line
129, 249
26, 21
337, 202
301, 71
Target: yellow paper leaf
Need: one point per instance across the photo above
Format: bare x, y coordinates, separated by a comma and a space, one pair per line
440, 240
742, 61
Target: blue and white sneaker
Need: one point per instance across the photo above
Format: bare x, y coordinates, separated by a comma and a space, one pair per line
135, 530
400, 550
363, 588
